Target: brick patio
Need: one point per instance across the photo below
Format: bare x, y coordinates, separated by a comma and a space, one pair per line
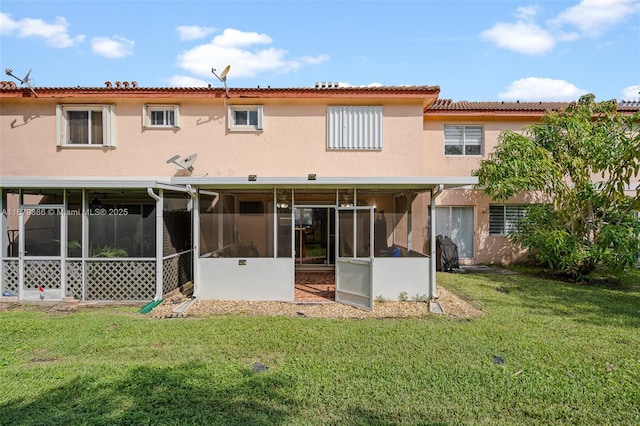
314, 286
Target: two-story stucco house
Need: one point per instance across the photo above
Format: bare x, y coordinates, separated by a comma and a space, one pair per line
125, 193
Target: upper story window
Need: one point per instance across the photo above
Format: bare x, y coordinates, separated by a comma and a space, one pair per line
503, 218
462, 140
354, 127
85, 125
161, 116
245, 117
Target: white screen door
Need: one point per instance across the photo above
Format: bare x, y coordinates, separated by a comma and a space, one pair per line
354, 280
40, 253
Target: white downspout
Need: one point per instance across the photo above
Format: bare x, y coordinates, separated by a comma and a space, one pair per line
432, 242
159, 245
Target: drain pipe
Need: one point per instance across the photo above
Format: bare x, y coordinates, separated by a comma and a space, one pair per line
158, 198
432, 241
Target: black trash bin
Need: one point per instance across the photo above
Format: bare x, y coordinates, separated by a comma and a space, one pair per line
446, 254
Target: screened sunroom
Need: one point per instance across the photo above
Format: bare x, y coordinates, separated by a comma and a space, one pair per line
109, 239
260, 240
95, 243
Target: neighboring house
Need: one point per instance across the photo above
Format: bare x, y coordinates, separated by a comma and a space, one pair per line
126, 193
459, 135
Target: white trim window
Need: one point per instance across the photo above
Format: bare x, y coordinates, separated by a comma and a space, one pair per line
503, 218
463, 140
85, 125
354, 127
161, 116
245, 118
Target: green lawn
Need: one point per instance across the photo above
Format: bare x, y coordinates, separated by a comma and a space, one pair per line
545, 353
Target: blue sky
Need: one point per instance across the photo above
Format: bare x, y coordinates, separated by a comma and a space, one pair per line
474, 50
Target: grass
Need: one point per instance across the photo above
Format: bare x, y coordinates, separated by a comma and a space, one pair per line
546, 352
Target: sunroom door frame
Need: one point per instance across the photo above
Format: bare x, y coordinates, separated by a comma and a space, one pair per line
354, 274
41, 282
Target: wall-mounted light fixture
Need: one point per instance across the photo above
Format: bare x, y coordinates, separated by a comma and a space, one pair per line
253, 178
311, 176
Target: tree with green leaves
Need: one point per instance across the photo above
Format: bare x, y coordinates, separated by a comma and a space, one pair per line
585, 160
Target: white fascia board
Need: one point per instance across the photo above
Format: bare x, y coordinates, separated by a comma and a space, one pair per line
373, 182
180, 183
86, 182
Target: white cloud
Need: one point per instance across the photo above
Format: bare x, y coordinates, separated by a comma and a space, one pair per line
113, 48
54, 34
373, 84
193, 32
589, 18
527, 13
521, 37
314, 60
248, 53
235, 38
539, 89
631, 92
593, 17
186, 81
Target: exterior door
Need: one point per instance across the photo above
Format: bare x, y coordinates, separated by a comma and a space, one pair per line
40, 253
354, 278
458, 224
313, 236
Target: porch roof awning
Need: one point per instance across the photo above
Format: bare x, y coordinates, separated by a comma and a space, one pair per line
184, 183
43, 182
313, 181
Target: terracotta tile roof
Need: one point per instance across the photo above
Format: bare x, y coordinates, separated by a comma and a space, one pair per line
126, 89
448, 105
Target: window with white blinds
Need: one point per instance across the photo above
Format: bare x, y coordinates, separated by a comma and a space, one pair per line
354, 127
161, 116
462, 140
245, 117
85, 125
504, 218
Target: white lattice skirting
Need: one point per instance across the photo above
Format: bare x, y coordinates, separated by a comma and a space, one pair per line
45, 273
176, 271
105, 280
74, 279
121, 280
10, 277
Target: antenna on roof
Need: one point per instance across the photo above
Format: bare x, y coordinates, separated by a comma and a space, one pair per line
25, 80
223, 77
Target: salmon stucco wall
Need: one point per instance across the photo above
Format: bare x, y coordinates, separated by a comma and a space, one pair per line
293, 142
489, 249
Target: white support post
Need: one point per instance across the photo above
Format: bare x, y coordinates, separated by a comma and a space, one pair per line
20, 249
85, 241
409, 222
195, 237
433, 294
159, 242
63, 244
4, 239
